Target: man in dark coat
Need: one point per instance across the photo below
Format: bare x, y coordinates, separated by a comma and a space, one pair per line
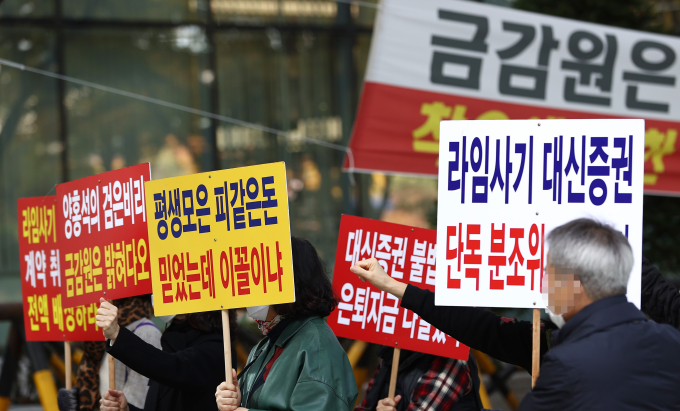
607, 356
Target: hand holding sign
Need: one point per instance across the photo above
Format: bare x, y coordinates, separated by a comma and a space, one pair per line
114, 401
388, 404
107, 319
228, 395
371, 271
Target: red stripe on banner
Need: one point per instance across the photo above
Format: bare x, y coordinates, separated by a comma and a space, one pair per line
396, 131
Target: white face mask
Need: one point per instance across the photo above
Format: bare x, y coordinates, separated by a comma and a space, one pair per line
558, 320
166, 318
259, 312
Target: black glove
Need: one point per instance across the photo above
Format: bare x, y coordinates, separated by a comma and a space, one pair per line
67, 400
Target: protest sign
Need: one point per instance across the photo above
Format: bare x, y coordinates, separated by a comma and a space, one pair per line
503, 185
220, 240
434, 60
45, 318
101, 229
407, 254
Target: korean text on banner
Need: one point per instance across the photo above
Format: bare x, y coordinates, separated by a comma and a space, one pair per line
101, 228
45, 318
503, 185
220, 240
365, 313
434, 60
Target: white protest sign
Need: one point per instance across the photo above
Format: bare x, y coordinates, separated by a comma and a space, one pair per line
504, 184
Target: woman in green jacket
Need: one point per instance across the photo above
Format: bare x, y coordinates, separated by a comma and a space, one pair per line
299, 364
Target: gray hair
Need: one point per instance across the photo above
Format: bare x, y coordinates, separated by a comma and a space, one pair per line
600, 255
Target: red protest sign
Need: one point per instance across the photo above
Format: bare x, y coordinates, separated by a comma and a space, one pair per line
101, 228
365, 313
45, 319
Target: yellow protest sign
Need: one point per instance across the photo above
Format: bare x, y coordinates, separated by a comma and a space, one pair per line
220, 240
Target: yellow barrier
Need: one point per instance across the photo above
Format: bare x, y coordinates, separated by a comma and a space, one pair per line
47, 390
4, 403
483, 395
356, 351
58, 364
486, 365
77, 356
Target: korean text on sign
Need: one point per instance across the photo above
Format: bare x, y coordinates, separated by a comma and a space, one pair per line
45, 318
436, 60
101, 226
220, 240
366, 313
511, 182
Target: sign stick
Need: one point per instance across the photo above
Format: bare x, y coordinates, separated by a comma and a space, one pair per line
536, 346
112, 372
67, 364
393, 376
227, 346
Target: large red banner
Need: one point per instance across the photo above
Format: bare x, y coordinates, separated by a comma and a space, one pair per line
45, 318
101, 229
450, 60
365, 313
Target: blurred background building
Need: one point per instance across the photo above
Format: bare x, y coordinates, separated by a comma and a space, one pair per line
292, 65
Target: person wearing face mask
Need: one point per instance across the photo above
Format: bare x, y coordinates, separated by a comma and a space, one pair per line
183, 373
606, 352
299, 364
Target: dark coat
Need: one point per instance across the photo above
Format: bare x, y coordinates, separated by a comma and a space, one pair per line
660, 298
607, 357
505, 339
184, 376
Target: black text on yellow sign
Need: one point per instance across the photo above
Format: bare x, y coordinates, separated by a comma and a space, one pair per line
220, 240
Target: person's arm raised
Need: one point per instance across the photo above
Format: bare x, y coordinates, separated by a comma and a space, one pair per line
371, 271
504, 339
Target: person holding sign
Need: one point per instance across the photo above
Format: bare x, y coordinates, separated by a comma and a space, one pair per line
424, 381
182, 374
299, 364
606, 352
134, 313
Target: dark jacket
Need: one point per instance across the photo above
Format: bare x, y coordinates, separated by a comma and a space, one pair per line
505, 339
310, 371
660, 298
184, 376
607, 357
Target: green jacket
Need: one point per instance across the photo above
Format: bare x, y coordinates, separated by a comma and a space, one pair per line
312, 372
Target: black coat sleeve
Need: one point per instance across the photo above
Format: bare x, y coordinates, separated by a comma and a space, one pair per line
194, 367
553, 388
660, 298
505, 339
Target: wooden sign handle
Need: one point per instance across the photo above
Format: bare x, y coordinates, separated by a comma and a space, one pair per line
67, 364
112, 372
227, 346
536, 347
393, 375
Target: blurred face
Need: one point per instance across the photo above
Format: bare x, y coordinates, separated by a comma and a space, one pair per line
561, 288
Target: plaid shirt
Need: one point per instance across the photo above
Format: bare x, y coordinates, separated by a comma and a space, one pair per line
438, 389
